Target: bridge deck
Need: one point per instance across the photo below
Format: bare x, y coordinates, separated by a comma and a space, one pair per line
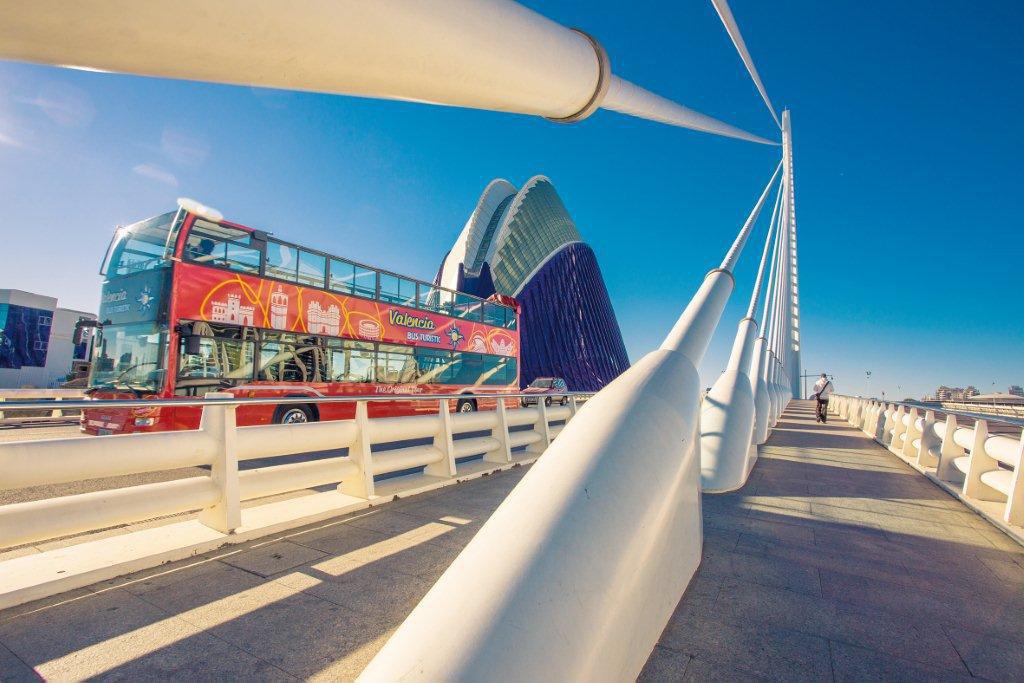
835, 561
838, 561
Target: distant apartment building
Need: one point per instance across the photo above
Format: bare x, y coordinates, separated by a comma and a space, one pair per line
945, 393
1015, 390
37, 348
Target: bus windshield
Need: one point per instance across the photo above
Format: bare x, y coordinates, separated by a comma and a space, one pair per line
145, 245
129, 357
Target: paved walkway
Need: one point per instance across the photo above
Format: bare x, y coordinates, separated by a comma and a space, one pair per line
836, 561
839, 562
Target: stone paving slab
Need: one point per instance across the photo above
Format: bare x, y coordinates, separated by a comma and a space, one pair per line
837, 561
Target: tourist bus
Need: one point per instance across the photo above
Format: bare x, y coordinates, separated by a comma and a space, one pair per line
193, 304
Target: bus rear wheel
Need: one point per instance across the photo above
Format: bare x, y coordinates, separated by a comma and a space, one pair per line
465, 405
293, 414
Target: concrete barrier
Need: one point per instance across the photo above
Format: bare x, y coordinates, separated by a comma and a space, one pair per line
220, 445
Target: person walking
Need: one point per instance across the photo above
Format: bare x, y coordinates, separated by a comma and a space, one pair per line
822, 390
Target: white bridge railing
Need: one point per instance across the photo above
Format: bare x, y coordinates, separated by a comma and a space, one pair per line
970, 461
220, 445
51, 408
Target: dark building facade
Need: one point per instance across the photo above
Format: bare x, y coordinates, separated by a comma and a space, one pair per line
523, 243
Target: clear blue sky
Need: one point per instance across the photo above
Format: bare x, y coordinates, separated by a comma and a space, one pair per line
907, 154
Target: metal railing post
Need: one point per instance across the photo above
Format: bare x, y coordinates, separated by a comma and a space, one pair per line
503, 454
1014, 512
906, 449
443, 442
56, 412
542, 427
980, 462
949, 451
360, 486
929, 442
899, 428
218, 423
882, 423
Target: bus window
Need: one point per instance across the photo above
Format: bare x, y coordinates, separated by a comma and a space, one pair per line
434, 366
290, 358
143, 246
212, 244
510, 319
429, 298
282, 261
395, 364
342, 276
511, 374
466, 306
494, 314
351, 361
349, 278
397, 290
312, 269
225, 357
364, 282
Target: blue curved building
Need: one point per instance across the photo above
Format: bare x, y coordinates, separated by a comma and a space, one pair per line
523, 243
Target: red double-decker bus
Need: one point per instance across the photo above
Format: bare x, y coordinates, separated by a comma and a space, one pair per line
192, 303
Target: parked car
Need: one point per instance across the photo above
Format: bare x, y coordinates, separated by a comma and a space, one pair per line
546, 385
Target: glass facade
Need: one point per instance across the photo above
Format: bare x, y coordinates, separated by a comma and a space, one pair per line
492, 228
24, 336
538, 226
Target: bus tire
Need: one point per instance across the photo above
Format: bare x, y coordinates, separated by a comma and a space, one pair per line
293, 414
465, 405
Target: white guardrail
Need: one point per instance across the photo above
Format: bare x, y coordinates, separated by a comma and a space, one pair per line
970, 461
220, 444
50, 410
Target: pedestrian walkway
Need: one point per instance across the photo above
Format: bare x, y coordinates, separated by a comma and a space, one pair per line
836, 561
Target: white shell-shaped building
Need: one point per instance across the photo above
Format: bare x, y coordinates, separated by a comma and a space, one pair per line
523, 243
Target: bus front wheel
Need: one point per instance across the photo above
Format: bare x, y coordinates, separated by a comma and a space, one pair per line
293, 414
465, 405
